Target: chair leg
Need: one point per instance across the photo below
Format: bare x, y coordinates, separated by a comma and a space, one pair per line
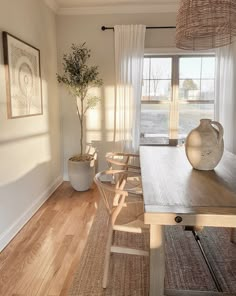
232, 232
107, 257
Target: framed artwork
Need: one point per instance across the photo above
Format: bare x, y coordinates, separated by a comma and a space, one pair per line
23, 77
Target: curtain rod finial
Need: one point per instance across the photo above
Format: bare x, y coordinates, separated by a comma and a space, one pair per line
103, 28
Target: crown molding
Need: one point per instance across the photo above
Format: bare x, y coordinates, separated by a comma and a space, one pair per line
119, 9
52, 4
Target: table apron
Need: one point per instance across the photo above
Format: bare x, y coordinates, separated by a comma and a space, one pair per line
190, 219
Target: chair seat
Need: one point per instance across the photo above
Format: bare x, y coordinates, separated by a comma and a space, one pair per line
129, 162
130, 219
134, 185
130, 212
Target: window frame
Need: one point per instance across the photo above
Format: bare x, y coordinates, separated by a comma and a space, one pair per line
174, 102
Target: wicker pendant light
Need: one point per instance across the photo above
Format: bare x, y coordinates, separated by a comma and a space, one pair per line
205, 24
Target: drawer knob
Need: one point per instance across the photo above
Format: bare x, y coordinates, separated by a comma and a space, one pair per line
178, 219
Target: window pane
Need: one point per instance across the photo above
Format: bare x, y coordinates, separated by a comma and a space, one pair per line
196, 80
154, 122
189, 89
146, 68
160, 68
190, 68
190, 115
207, 89
208, 67
160, 89
158, 71
145, 90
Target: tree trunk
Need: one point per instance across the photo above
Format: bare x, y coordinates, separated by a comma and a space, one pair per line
81, 135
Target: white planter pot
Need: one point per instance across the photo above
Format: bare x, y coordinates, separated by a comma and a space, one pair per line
81, 174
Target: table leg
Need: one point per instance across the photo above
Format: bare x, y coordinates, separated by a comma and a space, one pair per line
157, 260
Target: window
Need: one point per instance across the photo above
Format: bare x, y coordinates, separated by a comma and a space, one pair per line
177, 92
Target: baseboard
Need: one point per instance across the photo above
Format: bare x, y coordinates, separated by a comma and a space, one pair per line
65, 177
9, 234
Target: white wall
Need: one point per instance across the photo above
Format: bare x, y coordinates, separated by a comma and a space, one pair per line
30, 158
87, 28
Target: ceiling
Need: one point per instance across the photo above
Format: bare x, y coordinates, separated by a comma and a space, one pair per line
111, 6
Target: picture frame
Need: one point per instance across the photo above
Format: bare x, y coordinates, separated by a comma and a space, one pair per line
23, 77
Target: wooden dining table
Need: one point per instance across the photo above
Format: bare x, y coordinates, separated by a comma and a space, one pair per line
176, 194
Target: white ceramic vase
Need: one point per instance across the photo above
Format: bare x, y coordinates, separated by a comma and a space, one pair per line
204, 145
81, 174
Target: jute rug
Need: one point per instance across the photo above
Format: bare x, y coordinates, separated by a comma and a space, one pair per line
129, 275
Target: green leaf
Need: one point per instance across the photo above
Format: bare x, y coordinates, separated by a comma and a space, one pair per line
92, 102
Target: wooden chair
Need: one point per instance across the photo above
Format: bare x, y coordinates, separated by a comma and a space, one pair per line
129, 162
127, 217
123, 161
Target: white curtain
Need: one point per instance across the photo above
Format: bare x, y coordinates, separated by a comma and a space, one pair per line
129, 52
226, 93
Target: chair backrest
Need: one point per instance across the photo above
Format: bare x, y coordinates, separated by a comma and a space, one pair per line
91, 150
124, 161
113, 192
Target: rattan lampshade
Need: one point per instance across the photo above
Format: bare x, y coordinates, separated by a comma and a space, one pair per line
205, 24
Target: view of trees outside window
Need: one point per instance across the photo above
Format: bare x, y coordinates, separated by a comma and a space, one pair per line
177, 92
157, 79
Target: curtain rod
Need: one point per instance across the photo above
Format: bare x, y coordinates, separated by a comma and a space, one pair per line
103, 28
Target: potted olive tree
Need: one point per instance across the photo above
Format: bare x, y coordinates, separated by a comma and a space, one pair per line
78, 77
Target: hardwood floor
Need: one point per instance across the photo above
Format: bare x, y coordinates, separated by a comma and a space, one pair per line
43, 257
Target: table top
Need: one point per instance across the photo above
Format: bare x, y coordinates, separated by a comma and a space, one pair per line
170, 184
